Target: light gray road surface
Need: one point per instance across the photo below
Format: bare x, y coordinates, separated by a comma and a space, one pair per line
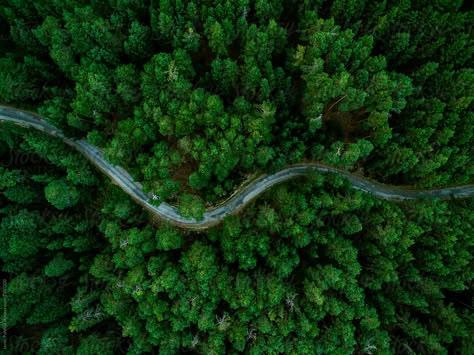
215, 215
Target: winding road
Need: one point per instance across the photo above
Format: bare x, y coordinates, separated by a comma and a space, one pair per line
240, 199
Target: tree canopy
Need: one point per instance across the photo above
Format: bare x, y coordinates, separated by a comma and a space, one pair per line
194, 97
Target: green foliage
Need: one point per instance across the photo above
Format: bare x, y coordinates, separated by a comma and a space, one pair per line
55, 339
15, 85
19, 234
191, 206
58, 266
191, 98
61, 194
168, 238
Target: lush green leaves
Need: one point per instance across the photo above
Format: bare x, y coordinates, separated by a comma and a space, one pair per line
191, 98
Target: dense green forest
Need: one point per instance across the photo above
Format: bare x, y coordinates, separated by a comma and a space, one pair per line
194, 97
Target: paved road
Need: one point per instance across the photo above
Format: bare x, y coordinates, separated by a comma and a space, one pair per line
215, 215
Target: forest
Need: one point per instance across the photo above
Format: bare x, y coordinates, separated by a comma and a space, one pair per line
193, 98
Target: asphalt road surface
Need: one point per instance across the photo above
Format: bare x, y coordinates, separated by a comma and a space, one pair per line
215, 215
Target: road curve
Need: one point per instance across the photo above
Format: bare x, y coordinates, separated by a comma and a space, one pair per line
215, 215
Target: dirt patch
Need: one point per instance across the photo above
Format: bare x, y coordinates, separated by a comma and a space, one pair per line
345, 125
